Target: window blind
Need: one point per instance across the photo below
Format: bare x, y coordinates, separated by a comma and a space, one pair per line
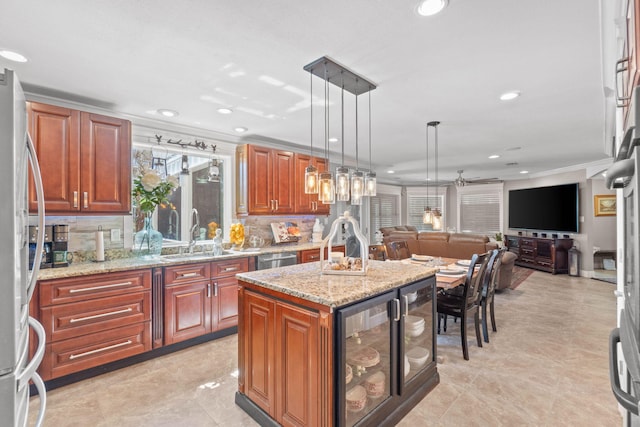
480, 212
384, 211
417, 203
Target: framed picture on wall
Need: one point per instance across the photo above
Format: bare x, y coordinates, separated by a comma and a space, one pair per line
604, 205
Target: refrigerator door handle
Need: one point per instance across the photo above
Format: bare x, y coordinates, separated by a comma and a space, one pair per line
42, 393
29, 370
629, 402
37, 179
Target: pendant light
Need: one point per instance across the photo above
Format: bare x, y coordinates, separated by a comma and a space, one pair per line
427, 215
327, 191
311, 172
184, 165
213, 174
342, 172
437, 215
357, 178
370, 184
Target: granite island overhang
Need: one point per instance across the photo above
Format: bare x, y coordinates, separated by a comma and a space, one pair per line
300, 361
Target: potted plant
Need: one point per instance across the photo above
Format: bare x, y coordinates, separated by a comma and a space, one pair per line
499, 240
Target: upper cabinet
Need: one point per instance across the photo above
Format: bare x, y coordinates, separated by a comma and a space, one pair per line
308, 203
85, 160
271, 182
628, 67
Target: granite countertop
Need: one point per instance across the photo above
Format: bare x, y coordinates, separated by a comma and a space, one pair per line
124, 264
305, 281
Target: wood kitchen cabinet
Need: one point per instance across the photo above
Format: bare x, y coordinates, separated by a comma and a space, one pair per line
201, 298
265, 181
282, 374
628, 66
85, 160
308, 203
92, 320
312, 255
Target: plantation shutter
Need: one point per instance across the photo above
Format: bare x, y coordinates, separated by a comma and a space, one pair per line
417, 203
480, 212
384, 211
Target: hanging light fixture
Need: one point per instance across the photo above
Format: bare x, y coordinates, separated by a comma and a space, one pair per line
357, 178
370, 184
184, 165
437, 214
214, 171
357, 85
327, 191
427, 215
342, 172
311, 172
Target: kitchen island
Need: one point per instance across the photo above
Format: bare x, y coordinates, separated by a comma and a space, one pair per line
324, 350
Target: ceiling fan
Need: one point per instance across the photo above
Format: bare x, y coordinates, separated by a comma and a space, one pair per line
461, 182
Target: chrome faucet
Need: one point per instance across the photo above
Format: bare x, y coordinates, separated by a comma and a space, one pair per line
195, 228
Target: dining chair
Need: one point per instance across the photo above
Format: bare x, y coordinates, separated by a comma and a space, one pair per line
398, 250
467, 303
489, 290
378, 252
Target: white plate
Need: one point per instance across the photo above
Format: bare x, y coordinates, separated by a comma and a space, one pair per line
450, 272
464, 262
424, 258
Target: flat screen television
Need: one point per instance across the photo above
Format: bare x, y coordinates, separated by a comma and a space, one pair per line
553, 208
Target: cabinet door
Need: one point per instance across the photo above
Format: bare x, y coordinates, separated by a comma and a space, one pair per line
187, 311
309, 255
259, 350
56, 135
283, 181
297, 401
259, 173
225, 303
106, 164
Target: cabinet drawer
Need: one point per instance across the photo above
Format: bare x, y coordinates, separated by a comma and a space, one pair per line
309, 255
72, 320
186, 273
95, 286
73, 355
527, 242
230, 267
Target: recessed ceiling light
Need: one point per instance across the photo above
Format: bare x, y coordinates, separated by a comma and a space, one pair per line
167, 113
13, 56
494, 156
431, 7
333, 139
240, 129
391, 171
524, 171
508, 96
224, 110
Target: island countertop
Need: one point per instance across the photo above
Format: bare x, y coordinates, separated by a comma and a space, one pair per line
305, 281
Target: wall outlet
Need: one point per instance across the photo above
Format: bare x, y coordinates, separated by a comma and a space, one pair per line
115, 234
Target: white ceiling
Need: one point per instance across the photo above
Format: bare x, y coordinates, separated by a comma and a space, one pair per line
195, 56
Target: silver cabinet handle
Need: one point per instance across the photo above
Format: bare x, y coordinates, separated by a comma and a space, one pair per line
397, 303
621, 66
100, 350
189, 275
231, 269
276, 204
86, 200
272, 205
95, 288
215, 289
97, 316
406, 306
75, 199
208, 290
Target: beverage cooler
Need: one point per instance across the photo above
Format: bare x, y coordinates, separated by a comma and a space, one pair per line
387, 351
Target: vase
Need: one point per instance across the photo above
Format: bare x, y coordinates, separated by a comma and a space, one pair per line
147, 242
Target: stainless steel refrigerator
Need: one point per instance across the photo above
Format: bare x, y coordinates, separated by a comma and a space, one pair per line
17, 283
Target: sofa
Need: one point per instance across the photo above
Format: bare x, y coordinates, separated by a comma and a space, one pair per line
450, 245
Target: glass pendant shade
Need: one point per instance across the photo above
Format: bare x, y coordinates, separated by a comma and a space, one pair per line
370, 184
327, 189
427, 216
214, 171
342, 183
357, 188
311, 180
437, 219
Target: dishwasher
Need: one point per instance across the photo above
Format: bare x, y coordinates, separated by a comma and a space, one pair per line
279, 259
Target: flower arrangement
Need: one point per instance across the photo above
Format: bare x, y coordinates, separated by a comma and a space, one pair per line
150, 190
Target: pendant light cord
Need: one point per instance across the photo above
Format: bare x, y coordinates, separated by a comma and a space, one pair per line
326, 115
427, 127
342, 112
357, 164
311, 110
370, 169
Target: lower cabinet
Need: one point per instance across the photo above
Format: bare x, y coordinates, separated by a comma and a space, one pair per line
550, 255
201, 298
312, 255
366, 364
92, 320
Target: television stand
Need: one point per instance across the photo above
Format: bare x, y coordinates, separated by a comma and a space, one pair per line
550, 255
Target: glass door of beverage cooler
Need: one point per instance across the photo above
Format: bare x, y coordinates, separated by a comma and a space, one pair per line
417, 331
366, 372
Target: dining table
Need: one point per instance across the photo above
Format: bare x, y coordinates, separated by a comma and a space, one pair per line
445, 281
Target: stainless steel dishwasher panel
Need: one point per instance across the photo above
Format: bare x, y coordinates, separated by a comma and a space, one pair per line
273, 260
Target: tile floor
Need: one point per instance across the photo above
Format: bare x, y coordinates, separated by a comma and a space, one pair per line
546, 366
